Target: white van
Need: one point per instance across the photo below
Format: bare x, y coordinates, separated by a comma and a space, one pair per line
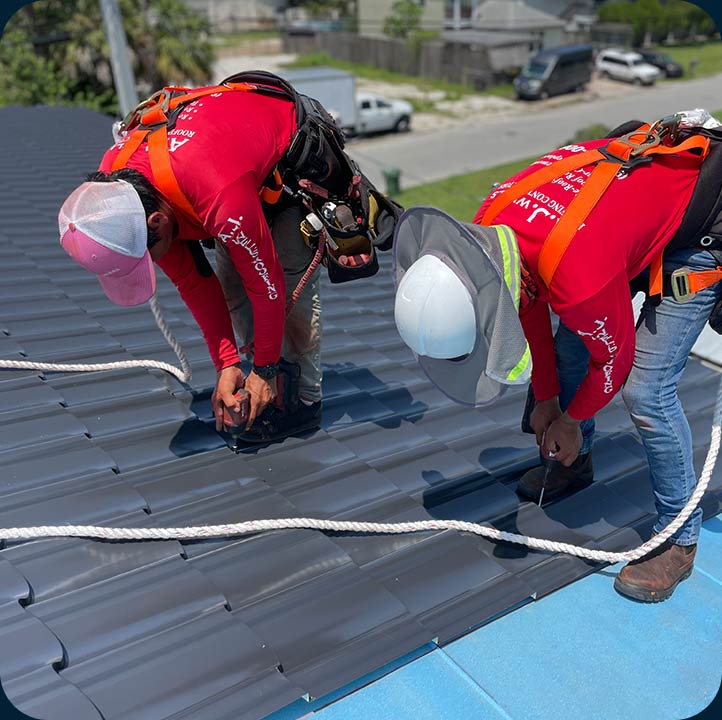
628, 66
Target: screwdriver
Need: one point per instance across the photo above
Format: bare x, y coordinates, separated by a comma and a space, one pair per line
234, 423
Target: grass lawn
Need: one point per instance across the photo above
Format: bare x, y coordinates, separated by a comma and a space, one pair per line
709, 56
452, 91
240, 40
461, 195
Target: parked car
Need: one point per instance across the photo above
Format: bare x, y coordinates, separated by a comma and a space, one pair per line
555, 71
626, 65
662, 61
378, 114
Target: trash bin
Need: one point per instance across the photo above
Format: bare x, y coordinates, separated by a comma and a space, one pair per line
392, 176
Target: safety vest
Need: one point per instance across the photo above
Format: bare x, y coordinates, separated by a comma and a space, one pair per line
622, 153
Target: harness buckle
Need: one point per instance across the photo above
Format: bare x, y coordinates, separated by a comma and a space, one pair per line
668, 127
679, 282
637, 151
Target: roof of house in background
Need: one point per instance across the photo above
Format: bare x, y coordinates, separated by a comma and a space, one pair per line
566, 9
237, 629
512, 15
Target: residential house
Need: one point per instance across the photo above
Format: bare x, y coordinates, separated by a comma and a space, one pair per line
239, 15
373, 13
515, 16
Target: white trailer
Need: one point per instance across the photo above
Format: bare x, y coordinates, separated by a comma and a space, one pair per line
334, 89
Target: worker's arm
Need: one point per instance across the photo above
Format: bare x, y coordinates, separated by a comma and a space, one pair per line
236, 219
202, 293
605, 324
537, 326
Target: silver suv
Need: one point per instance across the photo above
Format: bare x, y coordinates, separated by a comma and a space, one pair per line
628, 66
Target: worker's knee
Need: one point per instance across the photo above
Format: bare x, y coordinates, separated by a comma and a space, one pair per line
639, 397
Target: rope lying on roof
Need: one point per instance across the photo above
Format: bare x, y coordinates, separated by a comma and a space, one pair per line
183, 374
257, 526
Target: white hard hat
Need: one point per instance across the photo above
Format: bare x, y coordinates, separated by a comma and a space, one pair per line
434, 311
457, 300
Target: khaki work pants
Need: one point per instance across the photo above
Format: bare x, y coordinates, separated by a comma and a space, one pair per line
302, 333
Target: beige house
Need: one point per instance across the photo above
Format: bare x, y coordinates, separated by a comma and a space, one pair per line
226, 16
373, 13
515, 16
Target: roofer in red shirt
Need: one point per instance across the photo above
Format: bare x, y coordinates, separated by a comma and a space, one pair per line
222, 163
545, 246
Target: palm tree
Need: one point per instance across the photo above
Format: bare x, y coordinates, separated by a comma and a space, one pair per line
169, 44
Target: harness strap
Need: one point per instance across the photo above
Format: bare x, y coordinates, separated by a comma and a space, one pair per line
271, 195
131, 145
536, 179
656, 276
684, 283
561, 234
619, 153
151, 120
164, 176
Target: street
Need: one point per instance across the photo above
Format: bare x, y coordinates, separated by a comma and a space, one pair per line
487, 141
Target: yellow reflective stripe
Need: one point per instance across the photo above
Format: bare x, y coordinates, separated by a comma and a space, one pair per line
521, 366
504, 245
510, 253
516, 261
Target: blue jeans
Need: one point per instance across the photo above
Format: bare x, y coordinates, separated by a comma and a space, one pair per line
665, 336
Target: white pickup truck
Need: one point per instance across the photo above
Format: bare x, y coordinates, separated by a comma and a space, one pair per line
356, 113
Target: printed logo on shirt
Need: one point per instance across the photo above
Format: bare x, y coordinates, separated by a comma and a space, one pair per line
601, 334
233, 232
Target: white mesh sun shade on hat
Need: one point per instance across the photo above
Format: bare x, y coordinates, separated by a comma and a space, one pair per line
486, 260
103, 228
110, 213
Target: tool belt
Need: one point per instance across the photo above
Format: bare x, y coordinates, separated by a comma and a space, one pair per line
357, 219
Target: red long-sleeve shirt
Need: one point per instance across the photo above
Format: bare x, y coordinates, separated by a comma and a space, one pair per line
630, 225
222, 148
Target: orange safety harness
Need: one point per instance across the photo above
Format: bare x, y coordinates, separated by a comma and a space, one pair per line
150, 122
623, 153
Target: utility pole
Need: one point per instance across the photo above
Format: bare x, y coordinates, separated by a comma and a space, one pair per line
119, 56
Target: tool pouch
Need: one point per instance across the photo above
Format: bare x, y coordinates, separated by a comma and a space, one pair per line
316, 164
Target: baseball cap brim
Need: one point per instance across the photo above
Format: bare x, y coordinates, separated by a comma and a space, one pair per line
135, 287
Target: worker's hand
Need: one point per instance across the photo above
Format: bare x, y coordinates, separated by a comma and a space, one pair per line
262, 392
228, 381
562, 440
542, 416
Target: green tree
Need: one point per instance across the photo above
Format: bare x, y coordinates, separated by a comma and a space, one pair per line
656, 19
56, 52
405, 19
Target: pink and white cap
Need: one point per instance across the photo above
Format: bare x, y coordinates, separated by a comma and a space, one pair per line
103, 228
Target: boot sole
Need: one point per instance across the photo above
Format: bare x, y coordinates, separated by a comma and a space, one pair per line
648, 596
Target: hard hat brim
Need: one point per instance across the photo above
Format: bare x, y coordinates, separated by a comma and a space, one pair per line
474, 253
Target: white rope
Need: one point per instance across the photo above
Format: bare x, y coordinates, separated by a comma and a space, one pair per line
257, 526
183, 374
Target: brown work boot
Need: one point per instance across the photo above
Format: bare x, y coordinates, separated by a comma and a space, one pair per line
556, 479
654, 577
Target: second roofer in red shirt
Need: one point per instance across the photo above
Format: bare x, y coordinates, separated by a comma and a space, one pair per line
596, 350
224, 150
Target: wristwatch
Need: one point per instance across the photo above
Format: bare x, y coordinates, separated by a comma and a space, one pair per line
267, 372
